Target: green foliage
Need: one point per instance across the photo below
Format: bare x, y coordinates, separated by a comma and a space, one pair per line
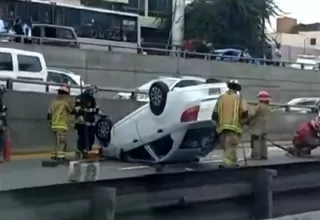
230, 23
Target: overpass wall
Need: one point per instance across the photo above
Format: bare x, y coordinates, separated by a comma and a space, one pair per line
29, 128
130, 70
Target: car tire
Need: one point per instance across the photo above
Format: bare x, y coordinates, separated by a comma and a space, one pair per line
103, 130
158, 97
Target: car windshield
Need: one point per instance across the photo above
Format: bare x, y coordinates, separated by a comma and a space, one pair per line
146, 86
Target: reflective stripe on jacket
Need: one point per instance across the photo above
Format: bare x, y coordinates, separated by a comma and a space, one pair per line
59, 114
229, 108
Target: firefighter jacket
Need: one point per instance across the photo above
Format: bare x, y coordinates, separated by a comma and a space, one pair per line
86, 109
58, 114
306, 137
258, 121
230, 110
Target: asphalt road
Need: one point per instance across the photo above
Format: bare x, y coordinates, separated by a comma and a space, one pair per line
25, 173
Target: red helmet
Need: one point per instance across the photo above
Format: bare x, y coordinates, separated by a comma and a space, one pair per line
263, 96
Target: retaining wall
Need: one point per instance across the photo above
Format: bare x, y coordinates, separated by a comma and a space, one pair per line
29, 128
130, 70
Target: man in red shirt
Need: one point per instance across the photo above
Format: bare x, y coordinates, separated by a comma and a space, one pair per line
306, 138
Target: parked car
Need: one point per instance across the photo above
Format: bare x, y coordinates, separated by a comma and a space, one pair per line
175, 126
231, 55
309, 102
173, 83
24, 65
62, 76
54, 35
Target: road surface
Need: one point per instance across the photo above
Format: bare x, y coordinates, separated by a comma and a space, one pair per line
25, 173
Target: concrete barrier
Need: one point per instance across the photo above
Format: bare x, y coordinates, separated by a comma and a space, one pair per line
29, 128
130, 70
304, 216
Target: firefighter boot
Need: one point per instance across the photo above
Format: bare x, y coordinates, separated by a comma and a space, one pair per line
78, 155
54, 155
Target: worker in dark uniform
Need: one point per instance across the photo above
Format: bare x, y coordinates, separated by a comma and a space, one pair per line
3, 123
258, 123
306, 139
229, 113
86, 110
58, 117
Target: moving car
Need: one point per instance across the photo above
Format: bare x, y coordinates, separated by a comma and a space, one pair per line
298, 103
62, 76
173, 83
306, 62
175, 126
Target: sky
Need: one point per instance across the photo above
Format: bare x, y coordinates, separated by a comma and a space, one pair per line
306, 11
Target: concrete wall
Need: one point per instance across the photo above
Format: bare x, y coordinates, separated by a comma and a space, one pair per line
303, 216
128, 70
29, 128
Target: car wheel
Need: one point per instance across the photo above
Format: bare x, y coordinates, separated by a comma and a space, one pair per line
158, 97
103, 130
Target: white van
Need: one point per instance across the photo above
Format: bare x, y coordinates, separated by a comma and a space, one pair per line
22, 64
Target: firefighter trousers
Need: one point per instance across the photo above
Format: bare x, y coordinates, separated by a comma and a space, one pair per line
86, 137
259, 149
229, 141
60, 136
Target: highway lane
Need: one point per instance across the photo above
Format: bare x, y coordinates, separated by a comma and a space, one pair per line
29, 173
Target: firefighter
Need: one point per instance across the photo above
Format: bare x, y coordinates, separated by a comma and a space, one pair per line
58, 117
86, 110
258, 123
306, 139
229, 113
3, 123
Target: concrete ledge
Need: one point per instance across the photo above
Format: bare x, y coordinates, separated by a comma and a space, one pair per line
304, 216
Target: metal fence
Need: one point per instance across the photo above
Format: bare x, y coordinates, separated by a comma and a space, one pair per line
9, 84
155, 51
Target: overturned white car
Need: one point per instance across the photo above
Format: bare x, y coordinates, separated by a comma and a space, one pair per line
175, 126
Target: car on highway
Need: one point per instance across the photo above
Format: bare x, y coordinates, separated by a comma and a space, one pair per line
23, 65
173, 83
63, 76
297, 105
174, 126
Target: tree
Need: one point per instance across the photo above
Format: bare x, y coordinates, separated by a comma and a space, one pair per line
230, 23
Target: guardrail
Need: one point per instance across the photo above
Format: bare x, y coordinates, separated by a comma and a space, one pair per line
255, 192
134, 92
163, 52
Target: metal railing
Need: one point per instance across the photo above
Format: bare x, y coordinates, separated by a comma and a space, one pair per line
133, 92
158, 51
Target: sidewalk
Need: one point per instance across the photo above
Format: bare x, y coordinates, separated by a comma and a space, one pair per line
38, 153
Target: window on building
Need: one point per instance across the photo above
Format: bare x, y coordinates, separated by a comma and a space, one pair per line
29, 63
159, 8
6, 62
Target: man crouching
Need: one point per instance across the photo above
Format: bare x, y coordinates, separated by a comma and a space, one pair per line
306, 139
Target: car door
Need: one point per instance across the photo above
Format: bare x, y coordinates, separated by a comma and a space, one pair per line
69, 81
54, 77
